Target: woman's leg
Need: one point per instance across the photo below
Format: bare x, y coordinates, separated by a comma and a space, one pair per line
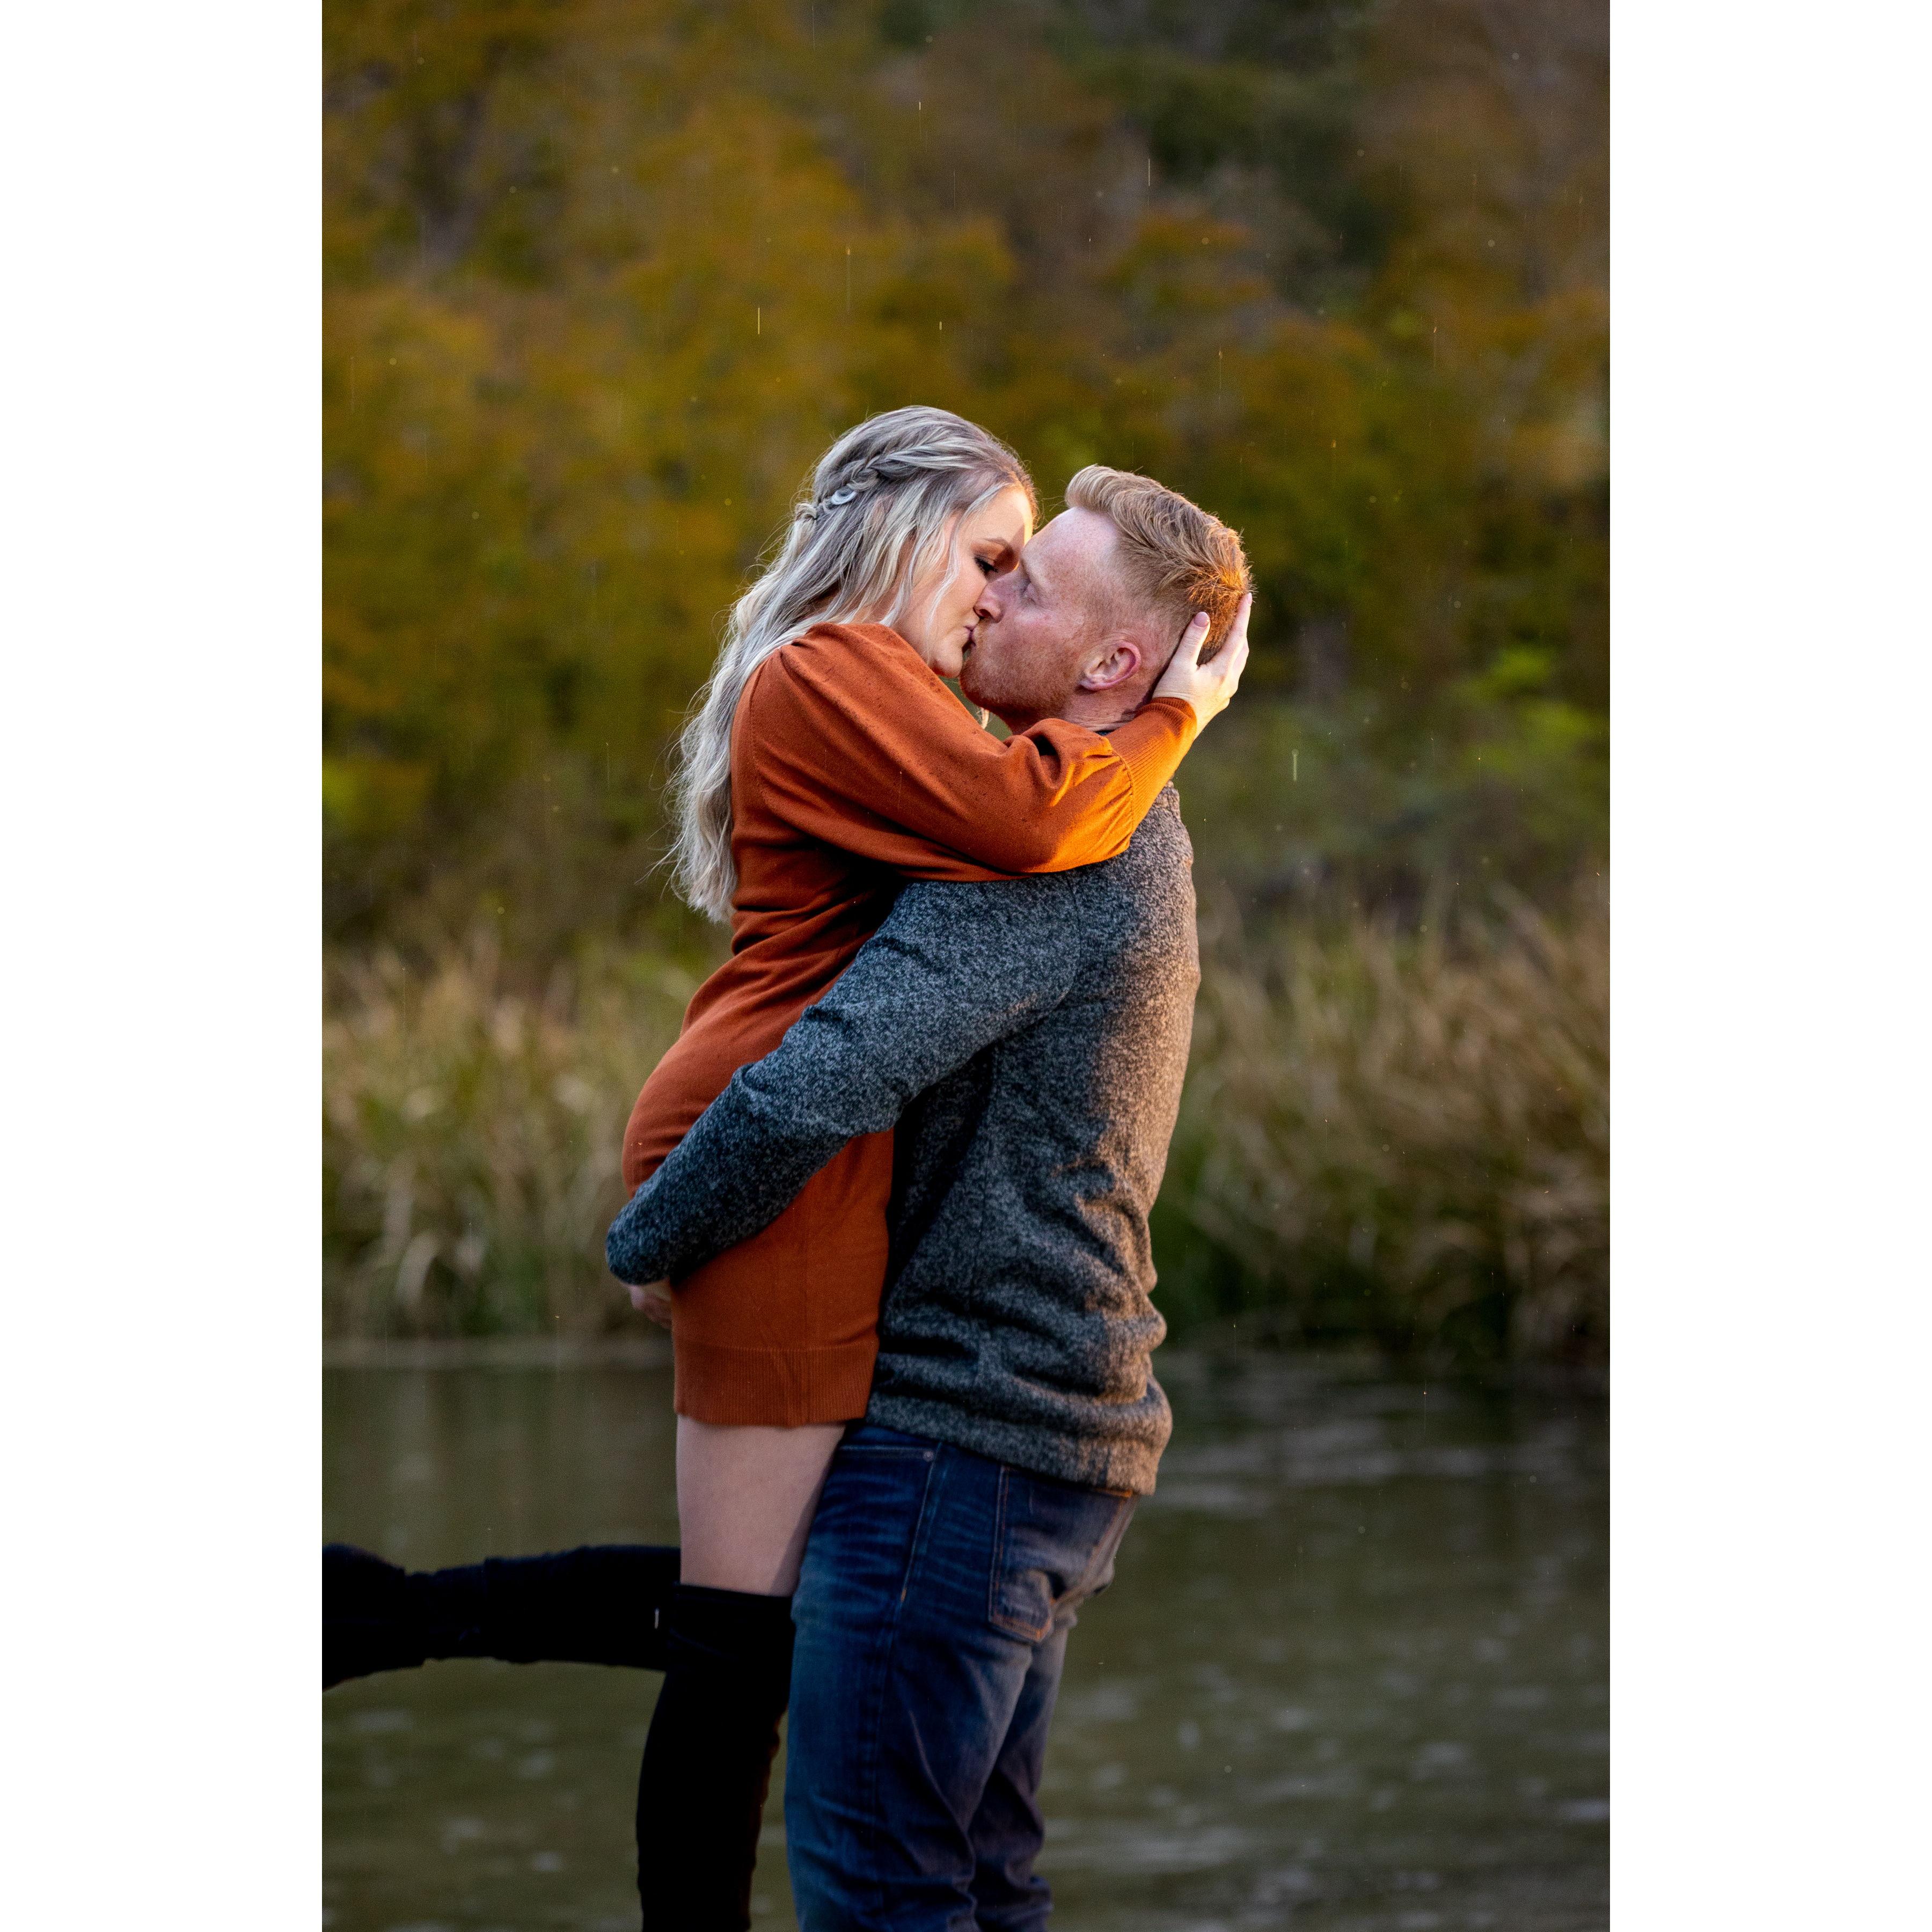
774, 1342
745, 1499
602, 1604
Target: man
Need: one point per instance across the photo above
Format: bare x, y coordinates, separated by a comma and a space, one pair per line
1028, 1040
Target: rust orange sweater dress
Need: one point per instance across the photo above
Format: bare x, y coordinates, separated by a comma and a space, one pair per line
853, 768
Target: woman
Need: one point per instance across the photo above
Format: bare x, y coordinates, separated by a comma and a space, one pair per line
826, 763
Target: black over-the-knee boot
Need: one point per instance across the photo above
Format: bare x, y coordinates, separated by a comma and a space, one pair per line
708, 1761
602, 1604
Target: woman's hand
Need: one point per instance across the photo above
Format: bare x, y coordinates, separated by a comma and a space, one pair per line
653, 1299
1207, 687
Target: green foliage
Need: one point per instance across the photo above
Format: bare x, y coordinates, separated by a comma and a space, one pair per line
1309, 808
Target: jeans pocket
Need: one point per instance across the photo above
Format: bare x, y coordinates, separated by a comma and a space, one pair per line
1053, 1547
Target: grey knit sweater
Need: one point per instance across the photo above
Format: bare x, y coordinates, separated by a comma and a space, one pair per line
1028, 1038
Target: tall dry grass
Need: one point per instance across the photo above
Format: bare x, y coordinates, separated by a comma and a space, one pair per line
471, 1139
1401, 1136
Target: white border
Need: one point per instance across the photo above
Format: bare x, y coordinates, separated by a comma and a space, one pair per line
159, 1399
1770, 660
158, 1414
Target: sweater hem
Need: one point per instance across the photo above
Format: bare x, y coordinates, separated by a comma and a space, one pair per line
788, 1389
1115, 1467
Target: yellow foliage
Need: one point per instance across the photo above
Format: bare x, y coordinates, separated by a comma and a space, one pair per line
604, 279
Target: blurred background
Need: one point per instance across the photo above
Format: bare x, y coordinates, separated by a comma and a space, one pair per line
603, 279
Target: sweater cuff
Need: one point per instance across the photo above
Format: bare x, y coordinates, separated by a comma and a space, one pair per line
1152, 744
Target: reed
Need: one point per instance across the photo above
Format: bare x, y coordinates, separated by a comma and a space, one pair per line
471, 1139
1401, 1136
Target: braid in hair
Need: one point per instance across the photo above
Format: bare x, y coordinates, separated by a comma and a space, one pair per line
911, 473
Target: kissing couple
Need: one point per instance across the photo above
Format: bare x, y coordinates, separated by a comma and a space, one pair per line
891, 1185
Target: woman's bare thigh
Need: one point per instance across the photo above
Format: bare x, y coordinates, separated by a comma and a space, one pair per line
745, 1494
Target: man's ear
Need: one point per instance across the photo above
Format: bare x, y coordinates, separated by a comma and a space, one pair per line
1117, 660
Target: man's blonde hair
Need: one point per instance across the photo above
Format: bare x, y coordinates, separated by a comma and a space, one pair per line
1173, 555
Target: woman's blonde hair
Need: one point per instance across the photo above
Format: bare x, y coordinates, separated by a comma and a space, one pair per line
883, 503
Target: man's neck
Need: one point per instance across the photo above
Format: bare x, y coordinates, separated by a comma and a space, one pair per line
1101, 711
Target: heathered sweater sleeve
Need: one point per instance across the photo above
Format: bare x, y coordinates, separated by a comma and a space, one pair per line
956, 966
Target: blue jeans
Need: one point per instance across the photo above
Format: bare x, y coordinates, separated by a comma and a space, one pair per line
932, 1615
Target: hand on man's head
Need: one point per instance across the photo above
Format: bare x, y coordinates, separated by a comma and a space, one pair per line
1207, 678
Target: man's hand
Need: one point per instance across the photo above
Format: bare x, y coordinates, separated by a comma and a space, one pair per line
653, 1299
1208, 687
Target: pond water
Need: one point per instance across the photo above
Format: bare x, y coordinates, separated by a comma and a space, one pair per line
1352, 1673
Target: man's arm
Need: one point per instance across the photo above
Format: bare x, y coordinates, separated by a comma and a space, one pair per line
956, 966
